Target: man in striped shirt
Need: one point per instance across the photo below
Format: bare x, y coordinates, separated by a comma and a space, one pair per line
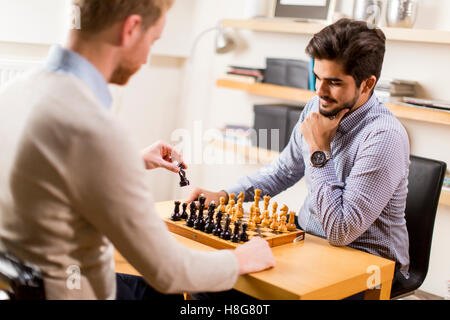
352, 151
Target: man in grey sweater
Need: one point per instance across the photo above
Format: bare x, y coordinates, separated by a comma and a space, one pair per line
72, 181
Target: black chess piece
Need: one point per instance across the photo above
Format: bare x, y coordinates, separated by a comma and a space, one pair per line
209, 222
244, 235
226, 233
236, 237
193, 216
183, 180
184, 214
199, 223
176, 212
218, 228
201, 203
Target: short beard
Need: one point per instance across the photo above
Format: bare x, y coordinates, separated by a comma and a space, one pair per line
122, 75
333, 113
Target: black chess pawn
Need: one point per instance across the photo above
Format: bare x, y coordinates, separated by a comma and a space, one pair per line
226, 233
218, 228
193, 216
176, 212
199, 223
236, 237
209, 222
183, 181
212, 206
184, 214
244, 235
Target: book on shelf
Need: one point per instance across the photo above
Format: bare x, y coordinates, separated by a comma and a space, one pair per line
387, 88
256, 73
236, 134
441, 105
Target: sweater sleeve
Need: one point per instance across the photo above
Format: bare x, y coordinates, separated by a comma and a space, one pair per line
107, 182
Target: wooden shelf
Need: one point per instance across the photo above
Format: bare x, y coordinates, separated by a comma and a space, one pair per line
268, 90
279, 26
301, 95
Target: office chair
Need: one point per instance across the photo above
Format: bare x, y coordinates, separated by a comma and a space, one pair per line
19, 280
425, 181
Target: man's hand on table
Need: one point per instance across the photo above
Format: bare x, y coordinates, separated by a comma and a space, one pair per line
254, 256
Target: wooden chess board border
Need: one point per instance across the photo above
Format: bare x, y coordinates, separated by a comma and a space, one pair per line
179, 227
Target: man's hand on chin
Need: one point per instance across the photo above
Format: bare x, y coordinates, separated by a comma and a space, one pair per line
319, 130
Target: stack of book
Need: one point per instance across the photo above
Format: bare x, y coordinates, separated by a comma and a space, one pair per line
441, 105
245, 74
388, 90
237, 134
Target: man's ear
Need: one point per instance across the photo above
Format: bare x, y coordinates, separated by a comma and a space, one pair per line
131, 30
369, 84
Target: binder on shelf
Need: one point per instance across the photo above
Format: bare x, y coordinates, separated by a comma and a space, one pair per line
312, 78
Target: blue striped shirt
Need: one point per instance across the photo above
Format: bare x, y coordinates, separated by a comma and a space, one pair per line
358, 198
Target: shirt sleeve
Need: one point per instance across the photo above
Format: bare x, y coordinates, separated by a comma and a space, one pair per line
109, 191
347, 209
279, 175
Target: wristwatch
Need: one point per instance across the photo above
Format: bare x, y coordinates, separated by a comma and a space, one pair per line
320, 158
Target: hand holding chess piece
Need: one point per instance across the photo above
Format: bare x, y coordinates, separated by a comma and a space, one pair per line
161, 155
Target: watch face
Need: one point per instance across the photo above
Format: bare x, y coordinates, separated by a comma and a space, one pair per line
318, 158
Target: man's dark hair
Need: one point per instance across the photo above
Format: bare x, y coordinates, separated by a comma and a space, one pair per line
359, 48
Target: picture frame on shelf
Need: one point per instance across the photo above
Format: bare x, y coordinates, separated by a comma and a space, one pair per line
318, 11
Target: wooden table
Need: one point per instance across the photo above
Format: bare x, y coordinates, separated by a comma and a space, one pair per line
312, 269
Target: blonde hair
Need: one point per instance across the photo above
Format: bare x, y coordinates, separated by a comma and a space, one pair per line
97, 15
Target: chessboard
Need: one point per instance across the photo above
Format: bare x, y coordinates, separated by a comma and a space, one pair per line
228, 226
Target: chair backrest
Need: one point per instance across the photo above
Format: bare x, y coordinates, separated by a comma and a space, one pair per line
425, 181
23, 280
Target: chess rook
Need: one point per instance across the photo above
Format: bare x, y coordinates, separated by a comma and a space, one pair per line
236, 237
176, 212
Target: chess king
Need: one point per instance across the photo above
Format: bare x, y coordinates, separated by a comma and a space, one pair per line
351, 149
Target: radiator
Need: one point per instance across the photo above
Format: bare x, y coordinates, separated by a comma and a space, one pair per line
11, 69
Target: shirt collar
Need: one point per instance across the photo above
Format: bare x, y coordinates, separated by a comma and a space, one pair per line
351, 120
69, 62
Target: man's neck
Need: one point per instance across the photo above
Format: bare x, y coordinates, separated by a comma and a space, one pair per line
97, 52
361, 101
